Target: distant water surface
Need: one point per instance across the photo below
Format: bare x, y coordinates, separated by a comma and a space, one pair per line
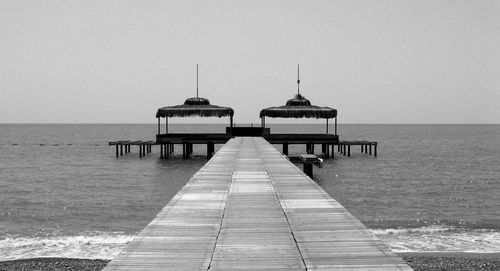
63, 192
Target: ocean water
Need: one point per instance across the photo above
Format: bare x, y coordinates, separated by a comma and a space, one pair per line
64, 194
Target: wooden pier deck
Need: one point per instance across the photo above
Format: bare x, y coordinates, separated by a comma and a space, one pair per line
249, 208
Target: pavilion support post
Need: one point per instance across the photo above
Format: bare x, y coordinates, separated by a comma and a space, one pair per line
326, 125
263, 122
285, 148
231, 124
335, 125
166, 125
159, 128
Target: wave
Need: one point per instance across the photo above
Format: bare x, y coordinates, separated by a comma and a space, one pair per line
438, 238
106, 245
95, 245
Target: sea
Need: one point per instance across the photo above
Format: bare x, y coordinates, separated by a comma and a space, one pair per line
63, 193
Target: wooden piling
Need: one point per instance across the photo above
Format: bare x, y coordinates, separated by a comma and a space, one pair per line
210, 150
285, 148
308, 169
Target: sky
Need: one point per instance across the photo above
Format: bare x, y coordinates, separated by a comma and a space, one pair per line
375, 61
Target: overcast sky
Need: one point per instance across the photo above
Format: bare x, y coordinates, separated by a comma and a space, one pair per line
376, 61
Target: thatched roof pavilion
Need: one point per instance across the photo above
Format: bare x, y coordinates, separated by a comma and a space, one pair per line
300, 107
195, 106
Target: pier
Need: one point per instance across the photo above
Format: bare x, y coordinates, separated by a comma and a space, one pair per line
249, 208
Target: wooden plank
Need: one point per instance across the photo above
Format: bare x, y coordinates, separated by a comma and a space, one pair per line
249, 208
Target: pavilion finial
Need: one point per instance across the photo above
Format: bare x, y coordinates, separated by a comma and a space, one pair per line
196, 80
298, 79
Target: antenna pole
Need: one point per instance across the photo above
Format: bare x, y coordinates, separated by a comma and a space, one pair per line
196, 80
298, 79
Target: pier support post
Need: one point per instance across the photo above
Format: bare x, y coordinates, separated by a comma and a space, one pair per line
116, 151
344, 149
370, 149
375, 154
308, 169
161, 151
121, 150
349, 150
323, 149
210, 150
333, 151
361, 148
310, 148
285, 148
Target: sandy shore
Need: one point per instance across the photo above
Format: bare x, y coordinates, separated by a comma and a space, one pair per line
418, 261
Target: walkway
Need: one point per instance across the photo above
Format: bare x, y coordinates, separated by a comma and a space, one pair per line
249, 208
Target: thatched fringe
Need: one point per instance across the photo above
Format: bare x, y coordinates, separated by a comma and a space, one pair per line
299, 112
194, 110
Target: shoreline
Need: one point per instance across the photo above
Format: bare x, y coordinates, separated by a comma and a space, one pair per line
419, 261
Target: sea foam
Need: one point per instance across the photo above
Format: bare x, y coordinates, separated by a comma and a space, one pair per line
440, 239
88, 246
106, 245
